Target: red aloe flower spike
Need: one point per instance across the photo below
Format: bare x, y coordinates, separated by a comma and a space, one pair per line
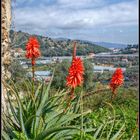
117, 80
32, 49
76, 71
75, 76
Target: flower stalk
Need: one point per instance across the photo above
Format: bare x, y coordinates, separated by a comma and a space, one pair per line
32, 52
75, 76
81, 106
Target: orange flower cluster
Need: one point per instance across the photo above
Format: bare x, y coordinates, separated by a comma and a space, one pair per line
76, 71
117, 80
32, 49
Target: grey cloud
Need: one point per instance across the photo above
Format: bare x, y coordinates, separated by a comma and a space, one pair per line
61, 20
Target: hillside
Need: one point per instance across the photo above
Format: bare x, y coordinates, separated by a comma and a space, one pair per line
111, 45
53, 47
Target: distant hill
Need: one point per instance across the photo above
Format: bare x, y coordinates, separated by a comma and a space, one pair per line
55, 47
111, 45
61, 39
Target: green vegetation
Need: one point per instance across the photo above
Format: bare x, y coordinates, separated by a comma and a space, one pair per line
42, 117
37, 110
17, 71
132, 75
125, 106
37, 115
61, 72
88, 76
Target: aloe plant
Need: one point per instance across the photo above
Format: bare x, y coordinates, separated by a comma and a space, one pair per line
38, 116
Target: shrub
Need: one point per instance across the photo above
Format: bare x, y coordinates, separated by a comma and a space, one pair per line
17, 71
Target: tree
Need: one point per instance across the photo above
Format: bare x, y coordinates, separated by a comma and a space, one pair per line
61, 72
88, 76
17, 71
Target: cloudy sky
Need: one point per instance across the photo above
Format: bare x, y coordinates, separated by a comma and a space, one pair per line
94, 20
